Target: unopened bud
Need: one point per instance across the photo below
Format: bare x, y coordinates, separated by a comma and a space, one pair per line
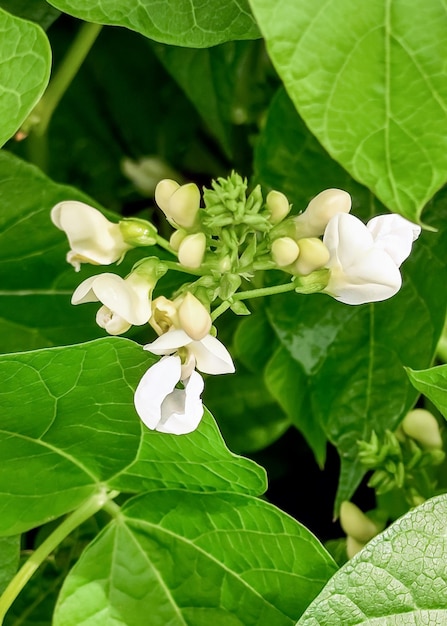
164, 191
194, 318
285, 251
353, 546
313, 221
356, 524
192, 250
313, 255
137, 232
278, 205
176, 238
164, 315
423, 427
184, 205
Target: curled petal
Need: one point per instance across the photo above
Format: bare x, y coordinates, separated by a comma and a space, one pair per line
211, 355
394, 234
164, 408
169, 342
122, 296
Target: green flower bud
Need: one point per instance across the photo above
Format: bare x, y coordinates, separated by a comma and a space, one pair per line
423, 427
285, 251
353, 546
278, 205
137, 232
192, 250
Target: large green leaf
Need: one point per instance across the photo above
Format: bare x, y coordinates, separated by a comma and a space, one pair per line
69, 427
399, 578
25, 63
9, 559
185, 558
194, 24
38, 11
432, 383
370, 86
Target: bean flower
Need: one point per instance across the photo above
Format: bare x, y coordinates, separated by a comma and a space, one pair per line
364, 260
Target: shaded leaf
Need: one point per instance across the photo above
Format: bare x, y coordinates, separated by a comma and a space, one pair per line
433, 384
38, 11
196, 24
372, 90
25, 63
198, 559
400, 577
9, 559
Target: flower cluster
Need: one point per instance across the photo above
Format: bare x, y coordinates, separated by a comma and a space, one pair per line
222, 245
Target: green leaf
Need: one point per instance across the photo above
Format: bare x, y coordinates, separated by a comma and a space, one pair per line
188, 558
9, 559
372, 90
25, 63
400, 577
69, 427
195, 25
38, 11
432, 383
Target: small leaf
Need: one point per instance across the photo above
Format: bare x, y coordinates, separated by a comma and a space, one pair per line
69, 427
433, 384
189, 558
25, 63
372, 90
400, 577
195, 24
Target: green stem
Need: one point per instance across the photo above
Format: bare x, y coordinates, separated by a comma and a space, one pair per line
86, 510
65, 73
163, 243
252, 293
181, 268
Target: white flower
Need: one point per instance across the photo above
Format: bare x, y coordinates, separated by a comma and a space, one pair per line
126, 301
164, 408
209, 355
92, 237
364, 260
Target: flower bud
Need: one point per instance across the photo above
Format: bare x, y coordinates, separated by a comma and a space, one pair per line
278, 205
146, 172
423, 427
194, 317
176, 238
164, 315
184, 205
313, 221
137, 232
353, 546
192, 250
313, 255
164, 191
356, 524
285, 251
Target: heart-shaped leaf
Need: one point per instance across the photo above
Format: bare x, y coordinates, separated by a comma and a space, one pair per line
371, 87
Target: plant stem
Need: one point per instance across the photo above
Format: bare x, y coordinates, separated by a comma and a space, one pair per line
86, 510
65, 73
163, 243
181, 268
252, 293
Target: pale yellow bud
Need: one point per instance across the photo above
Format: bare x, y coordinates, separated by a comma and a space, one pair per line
284, 251
176, 238
353, 546
164, 191
278, 205
356, 524
194, 318
423, 427
192, 250
313, 255
313, 221
184, 205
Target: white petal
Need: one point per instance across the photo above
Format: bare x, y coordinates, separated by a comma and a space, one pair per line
111, 322
212, 357
347, 239
84, 292
157, 383
394, 234
182, 410
169, 342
